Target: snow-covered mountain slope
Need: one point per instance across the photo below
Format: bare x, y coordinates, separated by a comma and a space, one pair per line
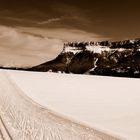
99, 58
106, 103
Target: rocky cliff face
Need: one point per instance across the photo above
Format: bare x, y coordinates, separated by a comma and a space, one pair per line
100, 58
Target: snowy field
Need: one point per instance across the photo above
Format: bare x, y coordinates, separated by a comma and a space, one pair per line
108, 104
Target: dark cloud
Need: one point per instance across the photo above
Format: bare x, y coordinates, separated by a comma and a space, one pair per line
37, 28
117, 19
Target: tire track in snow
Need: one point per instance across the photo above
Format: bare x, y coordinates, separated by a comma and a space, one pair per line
28, 120
1, 135
4, 134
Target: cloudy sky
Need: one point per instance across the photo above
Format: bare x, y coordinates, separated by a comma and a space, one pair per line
33, 31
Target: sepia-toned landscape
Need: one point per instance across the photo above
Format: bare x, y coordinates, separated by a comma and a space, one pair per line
69, 70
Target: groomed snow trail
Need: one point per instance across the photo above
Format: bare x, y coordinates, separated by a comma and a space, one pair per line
26, 120
4, 134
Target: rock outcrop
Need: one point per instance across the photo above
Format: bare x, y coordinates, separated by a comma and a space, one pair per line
100, 58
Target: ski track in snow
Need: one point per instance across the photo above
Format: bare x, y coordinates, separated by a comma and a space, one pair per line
27, 120
1, 135
4, 134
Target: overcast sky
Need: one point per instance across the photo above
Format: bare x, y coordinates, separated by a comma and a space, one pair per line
64, 20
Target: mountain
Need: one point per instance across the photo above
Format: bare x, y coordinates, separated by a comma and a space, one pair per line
120, 58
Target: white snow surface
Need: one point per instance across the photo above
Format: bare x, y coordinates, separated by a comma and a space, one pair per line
23, 119
106, 103
92, 48
74, 50
97, 49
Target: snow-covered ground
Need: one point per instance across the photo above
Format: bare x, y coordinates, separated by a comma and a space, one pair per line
108, 104
23, 119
